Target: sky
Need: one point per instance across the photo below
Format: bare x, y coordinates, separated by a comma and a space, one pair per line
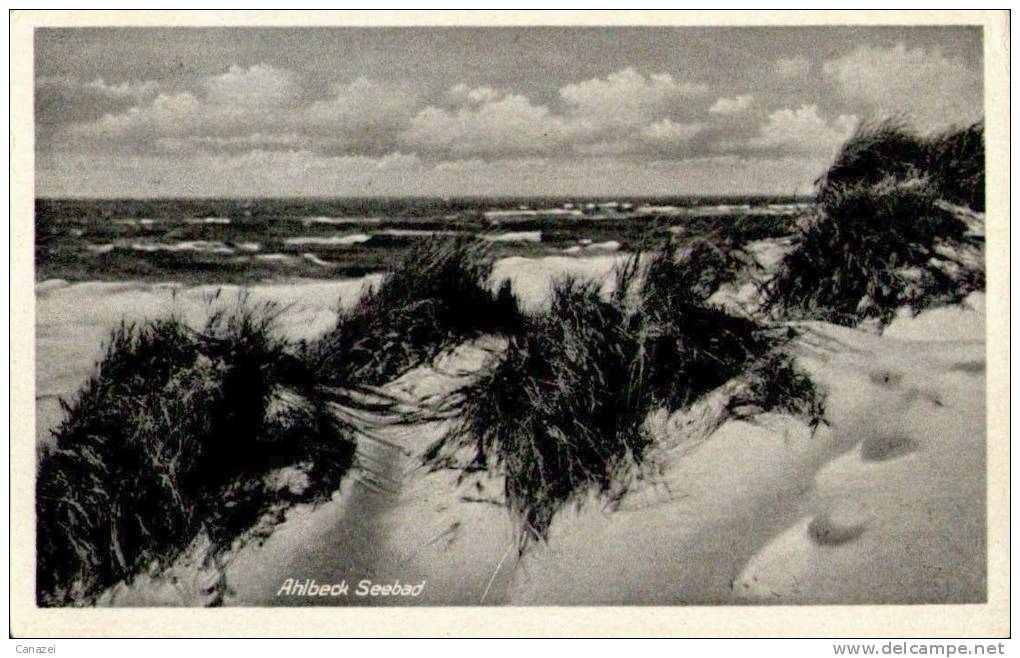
255, 112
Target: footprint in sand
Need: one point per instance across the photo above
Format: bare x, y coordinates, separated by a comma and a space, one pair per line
834, 529
883, 447
969, 367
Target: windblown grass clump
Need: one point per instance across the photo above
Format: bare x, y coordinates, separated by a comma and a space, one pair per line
437, 295
563, 412
955, 163
875, 152
774, 384
177, 433
692, 346
952, 161
883, 236
875, 249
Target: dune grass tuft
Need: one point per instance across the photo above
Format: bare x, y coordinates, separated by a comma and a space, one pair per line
774, 384
177, 432
563, 408
563, 412
953, 161
882, 236
692, 346
876, 151
435, 296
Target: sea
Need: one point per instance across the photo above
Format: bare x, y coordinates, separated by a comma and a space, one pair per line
256, 240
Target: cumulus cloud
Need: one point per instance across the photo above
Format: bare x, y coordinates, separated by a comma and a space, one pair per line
628, 97
792, 67
127, 89
62, 100
462, 93
733, 105
362, 103
930, 88
261, 106
626, 112
166, 115
363, 115
263, 109
510, 124
268, 107
668, 132
260, 86
803, 131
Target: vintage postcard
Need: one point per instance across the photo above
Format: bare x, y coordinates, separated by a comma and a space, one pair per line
594, 323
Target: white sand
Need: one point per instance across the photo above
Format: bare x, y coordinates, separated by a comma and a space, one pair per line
964, 322
532, 277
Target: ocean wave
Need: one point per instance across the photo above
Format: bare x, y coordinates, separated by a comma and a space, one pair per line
100, 248
340, 220
416, 232
587, 246
312, 258
516, 236
274, 258
356, 238
203, 246
207, 220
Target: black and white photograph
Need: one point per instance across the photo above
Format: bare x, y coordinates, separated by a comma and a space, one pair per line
510, 315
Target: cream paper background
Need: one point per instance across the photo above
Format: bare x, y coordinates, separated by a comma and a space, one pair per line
990, 619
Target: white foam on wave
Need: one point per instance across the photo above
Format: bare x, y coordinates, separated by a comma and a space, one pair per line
203, 246
99, 248
332, 240
274, 258
514, 236
416, 232
605, 247
340, 220
312, 258
527, 212
657, 210
587, 246
207, 220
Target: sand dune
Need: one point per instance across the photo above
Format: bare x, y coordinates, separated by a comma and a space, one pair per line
74, 320
393, 520
883, 504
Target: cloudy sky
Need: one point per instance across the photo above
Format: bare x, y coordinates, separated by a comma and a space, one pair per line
473, 111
